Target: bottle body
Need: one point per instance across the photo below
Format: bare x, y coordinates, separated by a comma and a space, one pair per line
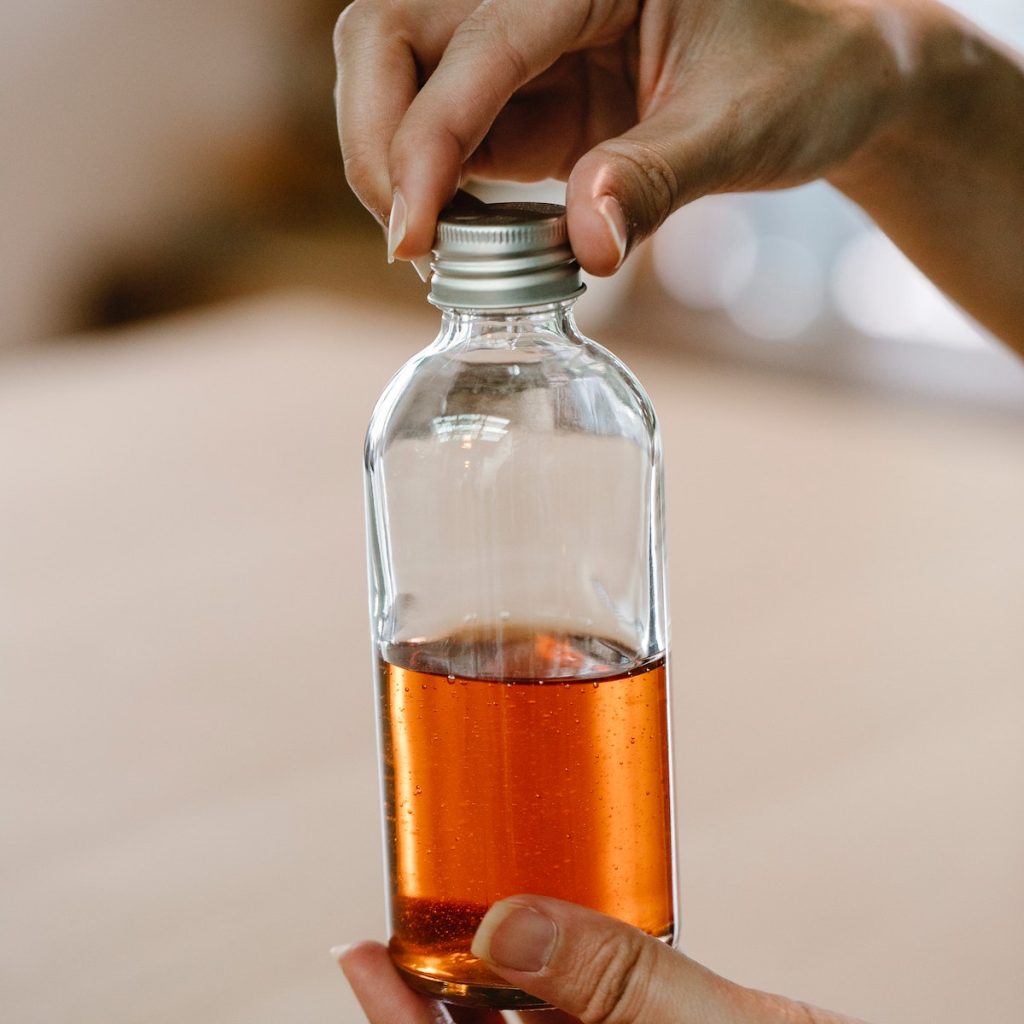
517, 597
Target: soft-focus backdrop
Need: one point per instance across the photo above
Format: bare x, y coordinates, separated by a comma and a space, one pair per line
197, 319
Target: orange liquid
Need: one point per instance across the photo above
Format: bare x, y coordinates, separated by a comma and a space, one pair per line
538, 765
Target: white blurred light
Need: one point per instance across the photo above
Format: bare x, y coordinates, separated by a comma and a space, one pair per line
704, 254
785, 292
881, 293
1003, 18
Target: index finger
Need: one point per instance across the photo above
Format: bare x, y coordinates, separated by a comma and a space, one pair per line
498, 48
377, 80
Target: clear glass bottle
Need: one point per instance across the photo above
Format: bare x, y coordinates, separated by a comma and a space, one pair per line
514, 506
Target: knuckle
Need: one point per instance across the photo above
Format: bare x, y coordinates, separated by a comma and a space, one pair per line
354, 22
363, 174
648, 168
343, 29
807, 1014
360, 168
624, 969
357, 166
486, 35
445, 139
517, 63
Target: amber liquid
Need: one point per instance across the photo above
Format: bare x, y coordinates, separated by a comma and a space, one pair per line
520, 762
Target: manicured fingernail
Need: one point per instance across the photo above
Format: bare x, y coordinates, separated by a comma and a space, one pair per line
516, 937
610, 210
339, 951
396, 224
422, 265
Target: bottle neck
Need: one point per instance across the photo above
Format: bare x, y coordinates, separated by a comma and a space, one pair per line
507, 328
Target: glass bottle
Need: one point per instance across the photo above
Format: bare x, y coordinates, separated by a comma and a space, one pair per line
514, 507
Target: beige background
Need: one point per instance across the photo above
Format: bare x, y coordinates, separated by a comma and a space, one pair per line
190, 807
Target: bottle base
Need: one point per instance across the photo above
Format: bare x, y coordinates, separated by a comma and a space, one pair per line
483, 994
484, 997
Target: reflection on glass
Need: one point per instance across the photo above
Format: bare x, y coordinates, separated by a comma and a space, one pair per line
468, 427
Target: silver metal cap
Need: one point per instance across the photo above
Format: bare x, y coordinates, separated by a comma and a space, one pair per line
503, 255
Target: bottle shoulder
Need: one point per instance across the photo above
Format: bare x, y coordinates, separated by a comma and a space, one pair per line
537, 384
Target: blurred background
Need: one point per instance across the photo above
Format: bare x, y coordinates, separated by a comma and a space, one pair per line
197, 319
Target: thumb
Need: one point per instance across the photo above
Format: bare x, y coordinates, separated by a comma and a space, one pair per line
621, 191
598, 969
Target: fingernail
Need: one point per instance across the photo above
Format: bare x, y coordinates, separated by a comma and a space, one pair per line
516, 937
422, 265
610, 210
396, 224
339, 951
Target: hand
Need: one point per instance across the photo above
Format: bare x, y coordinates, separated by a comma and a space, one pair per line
594, 969
902, 104
641, 113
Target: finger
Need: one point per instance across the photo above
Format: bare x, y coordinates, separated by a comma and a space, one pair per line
378, 986
597, 968
601, 970
623, 189
502, 155
377, 80
499, 47
561, 113
385, 997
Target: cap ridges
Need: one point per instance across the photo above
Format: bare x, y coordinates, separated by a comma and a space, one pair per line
503, 255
